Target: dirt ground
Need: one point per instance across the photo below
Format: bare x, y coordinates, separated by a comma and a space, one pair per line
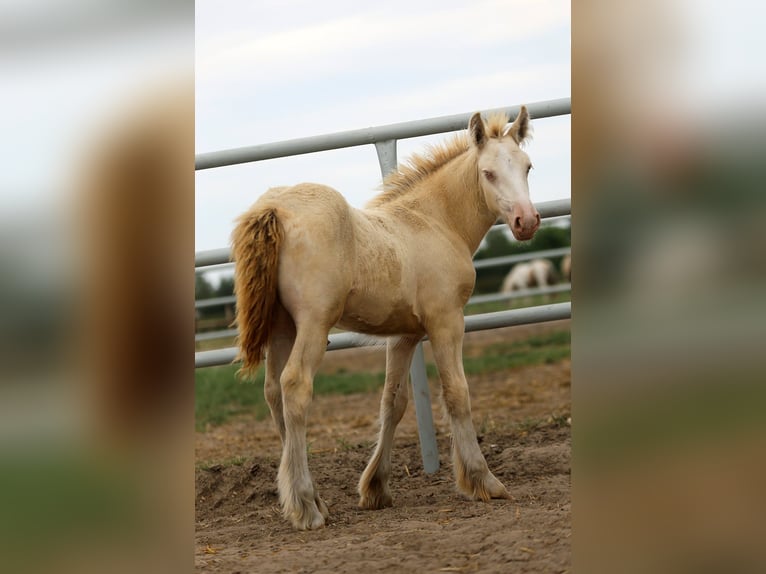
523, 420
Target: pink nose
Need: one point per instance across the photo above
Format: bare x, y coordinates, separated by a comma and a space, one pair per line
524, 222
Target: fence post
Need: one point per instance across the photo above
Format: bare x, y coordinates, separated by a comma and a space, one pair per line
421, 395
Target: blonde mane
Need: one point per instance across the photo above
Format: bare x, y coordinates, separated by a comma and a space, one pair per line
419, 166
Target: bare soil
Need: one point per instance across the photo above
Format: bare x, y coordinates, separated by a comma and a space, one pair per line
522, 418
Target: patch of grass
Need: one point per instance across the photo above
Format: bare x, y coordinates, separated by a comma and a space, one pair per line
346, 383
493, 363
550, 341
539, 350
534, 300
220, 395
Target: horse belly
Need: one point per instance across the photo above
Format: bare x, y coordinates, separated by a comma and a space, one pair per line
379, 316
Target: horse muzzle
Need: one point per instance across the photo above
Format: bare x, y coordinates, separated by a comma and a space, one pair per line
523, 222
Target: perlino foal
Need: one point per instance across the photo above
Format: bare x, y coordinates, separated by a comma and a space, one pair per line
402, 267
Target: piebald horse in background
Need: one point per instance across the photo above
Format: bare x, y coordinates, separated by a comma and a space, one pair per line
534, 273
402, 268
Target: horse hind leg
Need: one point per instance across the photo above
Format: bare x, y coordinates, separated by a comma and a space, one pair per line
277, 352
301, 505
374, 492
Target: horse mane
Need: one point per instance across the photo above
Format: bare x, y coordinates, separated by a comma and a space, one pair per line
419, 166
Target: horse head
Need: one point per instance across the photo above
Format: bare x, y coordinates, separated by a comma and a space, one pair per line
503, 170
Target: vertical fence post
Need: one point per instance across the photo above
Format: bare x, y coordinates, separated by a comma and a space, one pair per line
421, 394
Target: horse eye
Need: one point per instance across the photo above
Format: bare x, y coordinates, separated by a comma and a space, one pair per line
529, 168
490, 175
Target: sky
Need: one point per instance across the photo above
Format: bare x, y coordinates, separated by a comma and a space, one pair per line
270, 71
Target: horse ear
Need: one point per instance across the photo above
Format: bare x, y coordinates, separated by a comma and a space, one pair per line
519, 129
477, 130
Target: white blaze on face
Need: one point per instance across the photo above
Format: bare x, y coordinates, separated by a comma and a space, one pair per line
504, 169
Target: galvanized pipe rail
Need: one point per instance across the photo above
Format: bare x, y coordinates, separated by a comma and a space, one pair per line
366, 136
384, 138
482, 322
476, 299
478, 264
222, 255
207, 259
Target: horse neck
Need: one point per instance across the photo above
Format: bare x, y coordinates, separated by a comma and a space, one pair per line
453, 195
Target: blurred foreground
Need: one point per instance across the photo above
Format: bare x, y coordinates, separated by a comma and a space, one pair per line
669, 321
96, 408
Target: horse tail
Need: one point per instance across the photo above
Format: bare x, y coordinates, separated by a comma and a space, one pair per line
256, 241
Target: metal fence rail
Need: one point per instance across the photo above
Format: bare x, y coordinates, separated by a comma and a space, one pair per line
477, 299
366, 136
510, 259
478, 264
384, 138
546, 209
482, 322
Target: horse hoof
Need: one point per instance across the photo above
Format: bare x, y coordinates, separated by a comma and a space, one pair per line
375, 501
484, 489
308, 515
322, 507
308, 520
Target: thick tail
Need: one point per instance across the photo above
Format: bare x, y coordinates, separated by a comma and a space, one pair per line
255, 247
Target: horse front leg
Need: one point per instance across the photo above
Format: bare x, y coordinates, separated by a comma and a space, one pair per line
472, 474
374, 492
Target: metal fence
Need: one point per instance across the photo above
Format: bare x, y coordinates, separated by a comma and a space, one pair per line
384, 138
213, 302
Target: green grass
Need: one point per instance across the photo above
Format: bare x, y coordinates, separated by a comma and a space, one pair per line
545, 349
533, 301
220, 395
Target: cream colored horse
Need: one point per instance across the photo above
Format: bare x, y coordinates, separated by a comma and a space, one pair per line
401, 267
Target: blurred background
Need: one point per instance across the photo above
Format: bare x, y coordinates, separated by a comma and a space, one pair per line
669, 314
96, 245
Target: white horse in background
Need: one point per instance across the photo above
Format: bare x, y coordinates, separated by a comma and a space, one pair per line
534, 273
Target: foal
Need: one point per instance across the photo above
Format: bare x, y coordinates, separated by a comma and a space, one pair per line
307, 261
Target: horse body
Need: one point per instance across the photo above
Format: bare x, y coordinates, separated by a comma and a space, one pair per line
401, 267
566, 267
383, 296
363, 261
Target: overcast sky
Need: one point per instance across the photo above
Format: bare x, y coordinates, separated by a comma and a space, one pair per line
271, 70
